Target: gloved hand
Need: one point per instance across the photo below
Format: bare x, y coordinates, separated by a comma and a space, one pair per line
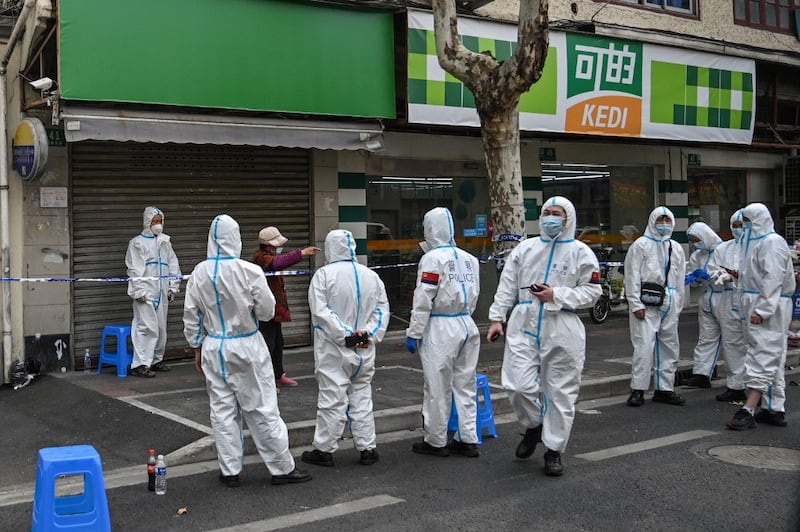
141, 299
170, 296
690, 278
723, 278
412, 344
701, 273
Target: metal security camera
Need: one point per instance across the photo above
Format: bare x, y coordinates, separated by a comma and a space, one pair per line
42, 84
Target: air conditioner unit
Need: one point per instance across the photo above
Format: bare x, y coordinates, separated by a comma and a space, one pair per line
791, 181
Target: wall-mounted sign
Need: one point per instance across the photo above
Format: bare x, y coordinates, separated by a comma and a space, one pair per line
693, 159
56, 137
547, 154
53, 197
30, 148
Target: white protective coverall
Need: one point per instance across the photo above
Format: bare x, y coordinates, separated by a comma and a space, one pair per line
445, 297
655, 338
344, 297
225, 298
766, 285
709, 339
724, 307
546, 342
150, 255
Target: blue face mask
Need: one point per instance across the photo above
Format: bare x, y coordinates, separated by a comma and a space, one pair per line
699, 246
551, 225
664, 229
747, 226
738, 232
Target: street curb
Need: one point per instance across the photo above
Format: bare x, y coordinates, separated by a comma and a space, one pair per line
301, 433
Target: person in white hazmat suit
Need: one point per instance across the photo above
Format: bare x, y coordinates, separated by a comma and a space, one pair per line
766, 284
725, 309
225, 298
346, 299
544, 281
700, 268
448, 341
150, 254
654, 258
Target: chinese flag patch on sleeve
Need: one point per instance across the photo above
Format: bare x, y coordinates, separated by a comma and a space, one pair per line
595, 278
430, 278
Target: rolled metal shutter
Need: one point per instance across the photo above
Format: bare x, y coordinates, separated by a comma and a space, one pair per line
113, 182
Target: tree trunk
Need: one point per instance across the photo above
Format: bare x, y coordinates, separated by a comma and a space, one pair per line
497, 87
500, 132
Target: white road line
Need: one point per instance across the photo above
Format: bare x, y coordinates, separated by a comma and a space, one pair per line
613, 452
310, 516
169, 415
168, 392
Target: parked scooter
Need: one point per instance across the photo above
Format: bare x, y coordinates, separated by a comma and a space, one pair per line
612, 282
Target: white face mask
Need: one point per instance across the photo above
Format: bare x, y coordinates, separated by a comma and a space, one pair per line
279, 250
157, 229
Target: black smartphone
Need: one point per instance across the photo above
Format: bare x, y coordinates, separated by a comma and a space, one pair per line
533, 288
355, 339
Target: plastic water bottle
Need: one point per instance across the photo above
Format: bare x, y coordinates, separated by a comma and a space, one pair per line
151, 471
87, 362
161, 475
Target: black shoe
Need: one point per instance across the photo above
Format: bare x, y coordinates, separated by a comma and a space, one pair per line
670, 398
423, 447
697, 381
730, 395
294, 477
317, 457
528, 444
469, 450
552, 464
142, 371
770, 418
742, 420
369, 457
636, 398
160, 366
232, 481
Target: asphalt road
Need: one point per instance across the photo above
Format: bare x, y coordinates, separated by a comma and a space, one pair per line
651, 468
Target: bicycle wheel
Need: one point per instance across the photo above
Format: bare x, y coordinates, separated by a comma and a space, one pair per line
600, 310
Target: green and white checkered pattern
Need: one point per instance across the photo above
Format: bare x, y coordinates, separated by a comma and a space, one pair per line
429, 84
353, 209
701, 96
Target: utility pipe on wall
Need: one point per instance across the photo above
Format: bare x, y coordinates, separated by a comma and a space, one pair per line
4, 215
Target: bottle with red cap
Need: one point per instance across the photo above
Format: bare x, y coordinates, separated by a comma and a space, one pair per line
151, 471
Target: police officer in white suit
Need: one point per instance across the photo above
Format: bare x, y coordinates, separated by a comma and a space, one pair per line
448, 341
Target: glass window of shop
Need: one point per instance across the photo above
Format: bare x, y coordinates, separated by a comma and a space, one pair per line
612, 203
714, 195
396, 206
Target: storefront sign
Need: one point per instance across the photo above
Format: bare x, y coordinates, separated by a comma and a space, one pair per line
593, 85
29, 148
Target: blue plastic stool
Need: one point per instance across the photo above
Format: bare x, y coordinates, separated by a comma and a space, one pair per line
485, 413
85, 511
123, 356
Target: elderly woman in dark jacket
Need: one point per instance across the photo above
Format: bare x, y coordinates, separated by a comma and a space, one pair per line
270, 258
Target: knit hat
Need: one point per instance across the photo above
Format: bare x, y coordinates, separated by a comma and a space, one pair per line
270, 235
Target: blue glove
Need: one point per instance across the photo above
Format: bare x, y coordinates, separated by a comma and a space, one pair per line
690, 278
701, 273
412, 344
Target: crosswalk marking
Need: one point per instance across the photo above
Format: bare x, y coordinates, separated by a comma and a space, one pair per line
318, 514
621, 450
